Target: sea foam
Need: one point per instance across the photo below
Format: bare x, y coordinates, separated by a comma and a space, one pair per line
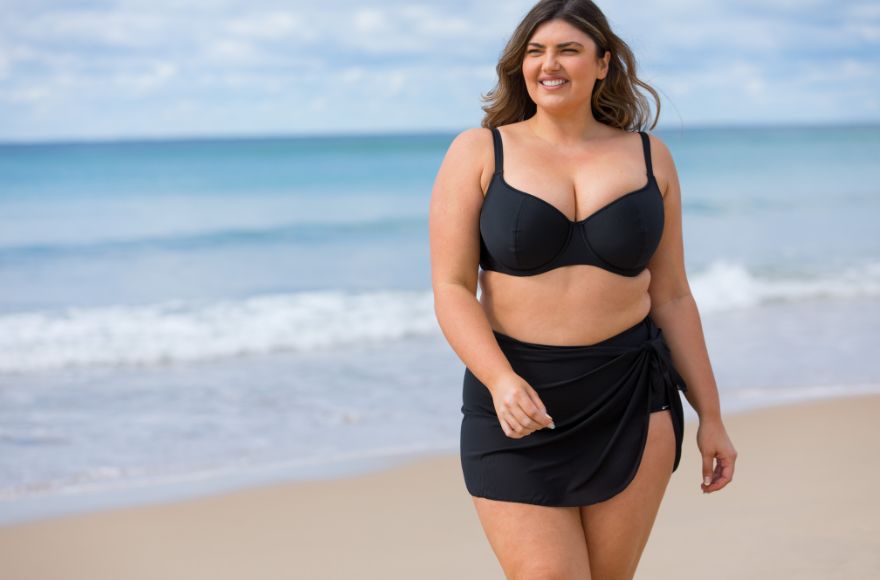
177, 331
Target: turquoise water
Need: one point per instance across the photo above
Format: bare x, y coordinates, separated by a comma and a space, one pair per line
137, 223
169, 309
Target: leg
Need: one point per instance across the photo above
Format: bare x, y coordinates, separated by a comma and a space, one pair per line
617, 529
534, 542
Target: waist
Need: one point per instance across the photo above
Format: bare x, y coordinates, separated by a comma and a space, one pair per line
632, 336
575, 305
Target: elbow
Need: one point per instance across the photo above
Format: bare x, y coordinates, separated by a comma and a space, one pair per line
468, 283
442, 289
670, 301
670, 295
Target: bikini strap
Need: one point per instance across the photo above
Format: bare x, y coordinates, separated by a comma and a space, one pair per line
646, 147
499, 150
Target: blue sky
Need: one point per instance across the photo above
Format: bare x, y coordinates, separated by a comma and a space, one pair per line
152, 68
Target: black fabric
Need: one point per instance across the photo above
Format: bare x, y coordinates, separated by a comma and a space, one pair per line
523, 235
600, 397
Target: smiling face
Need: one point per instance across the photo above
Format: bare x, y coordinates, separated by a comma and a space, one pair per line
560, 66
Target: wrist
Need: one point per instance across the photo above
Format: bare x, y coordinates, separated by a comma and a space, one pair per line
710, 417
500, 377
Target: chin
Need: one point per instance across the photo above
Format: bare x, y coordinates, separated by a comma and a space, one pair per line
559, 105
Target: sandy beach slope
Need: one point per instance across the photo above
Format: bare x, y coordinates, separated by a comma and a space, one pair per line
804, 504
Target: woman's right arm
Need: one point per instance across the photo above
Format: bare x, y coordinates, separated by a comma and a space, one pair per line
455, 254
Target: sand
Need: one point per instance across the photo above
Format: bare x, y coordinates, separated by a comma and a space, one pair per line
804, 503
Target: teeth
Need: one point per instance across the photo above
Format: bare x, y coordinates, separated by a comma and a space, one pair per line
553, 83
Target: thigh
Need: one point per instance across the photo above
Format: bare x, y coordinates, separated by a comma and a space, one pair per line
617, 529
534, 541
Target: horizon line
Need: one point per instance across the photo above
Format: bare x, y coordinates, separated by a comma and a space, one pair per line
416, 132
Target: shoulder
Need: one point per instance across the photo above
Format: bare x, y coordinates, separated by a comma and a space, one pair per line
662, 162
658, 146
472, 152
472, 139
471, 145
659, 151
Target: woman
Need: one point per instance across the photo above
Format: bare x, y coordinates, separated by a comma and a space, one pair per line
572, 421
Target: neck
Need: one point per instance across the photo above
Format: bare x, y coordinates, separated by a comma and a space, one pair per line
565, 128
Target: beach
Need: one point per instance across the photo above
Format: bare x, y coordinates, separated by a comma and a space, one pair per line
802, 504
220, 351
221, 360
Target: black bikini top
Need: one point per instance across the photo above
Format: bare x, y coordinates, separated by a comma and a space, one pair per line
523, 235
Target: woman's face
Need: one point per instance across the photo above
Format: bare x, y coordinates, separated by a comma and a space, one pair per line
557, 50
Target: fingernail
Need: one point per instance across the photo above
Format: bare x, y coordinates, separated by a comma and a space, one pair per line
553, 425
707, 480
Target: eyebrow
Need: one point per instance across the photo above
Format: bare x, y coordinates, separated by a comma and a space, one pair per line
560, 45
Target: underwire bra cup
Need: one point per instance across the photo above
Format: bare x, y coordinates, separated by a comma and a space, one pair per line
641, 218
522, 234
541, 235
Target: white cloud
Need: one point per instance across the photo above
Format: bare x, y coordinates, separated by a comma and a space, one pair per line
272, 25
156, 75
838, 73
24, 95
90, 27
737, 77
370, 21
204, 62
352, 75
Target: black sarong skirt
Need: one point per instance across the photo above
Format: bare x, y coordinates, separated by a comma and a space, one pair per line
600, 397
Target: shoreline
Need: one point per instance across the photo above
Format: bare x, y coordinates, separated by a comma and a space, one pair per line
801, 504
97, 497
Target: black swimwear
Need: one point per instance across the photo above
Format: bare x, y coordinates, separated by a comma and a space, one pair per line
600, 395
523, 235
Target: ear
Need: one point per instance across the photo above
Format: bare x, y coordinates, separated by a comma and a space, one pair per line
606, 58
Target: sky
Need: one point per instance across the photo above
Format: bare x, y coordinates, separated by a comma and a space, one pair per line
83, 70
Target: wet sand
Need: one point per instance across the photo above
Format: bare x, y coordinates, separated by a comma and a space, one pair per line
803, 504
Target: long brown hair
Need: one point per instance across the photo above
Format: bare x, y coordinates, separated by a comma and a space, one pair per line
615, 100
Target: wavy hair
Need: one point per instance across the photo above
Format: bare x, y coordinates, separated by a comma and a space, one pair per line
615, 100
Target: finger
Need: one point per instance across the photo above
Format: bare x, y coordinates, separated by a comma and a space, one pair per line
707, 469
723, 475
528, 410
717, 482
518, 422
505, 426
540, 413
538, 418
513, 426
522, 418
725, 470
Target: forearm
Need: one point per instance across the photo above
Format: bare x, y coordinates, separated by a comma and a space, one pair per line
466, 328
680, 322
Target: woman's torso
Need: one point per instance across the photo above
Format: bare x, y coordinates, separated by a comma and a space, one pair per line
577, 303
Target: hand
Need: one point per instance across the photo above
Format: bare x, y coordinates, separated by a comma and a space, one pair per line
714, 443
519, 408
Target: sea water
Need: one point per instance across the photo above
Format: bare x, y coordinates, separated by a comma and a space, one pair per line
187, 315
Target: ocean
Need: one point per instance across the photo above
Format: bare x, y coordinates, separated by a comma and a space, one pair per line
184, 316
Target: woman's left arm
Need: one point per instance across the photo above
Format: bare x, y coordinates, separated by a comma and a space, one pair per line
674, 310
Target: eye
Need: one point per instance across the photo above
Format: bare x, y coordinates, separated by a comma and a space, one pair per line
535, 50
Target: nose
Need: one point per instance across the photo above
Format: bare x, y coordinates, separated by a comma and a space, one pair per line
550, 62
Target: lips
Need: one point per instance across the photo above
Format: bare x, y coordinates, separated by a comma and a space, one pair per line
554, 83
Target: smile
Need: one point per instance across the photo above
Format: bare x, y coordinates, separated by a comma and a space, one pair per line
553, 84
